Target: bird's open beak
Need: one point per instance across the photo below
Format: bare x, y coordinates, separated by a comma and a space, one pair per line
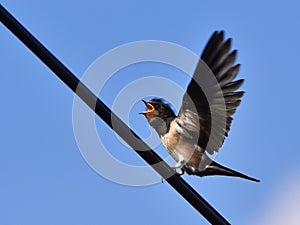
150, 107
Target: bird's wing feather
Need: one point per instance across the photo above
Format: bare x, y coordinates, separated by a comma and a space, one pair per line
198, 109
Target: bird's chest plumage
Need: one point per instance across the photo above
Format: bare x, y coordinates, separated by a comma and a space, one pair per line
180, 148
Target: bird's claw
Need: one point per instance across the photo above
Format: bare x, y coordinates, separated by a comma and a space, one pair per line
180, 171
178, 168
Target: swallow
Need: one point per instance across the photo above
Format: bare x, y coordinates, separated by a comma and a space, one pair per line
186, 136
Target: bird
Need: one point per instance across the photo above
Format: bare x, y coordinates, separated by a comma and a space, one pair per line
190, 137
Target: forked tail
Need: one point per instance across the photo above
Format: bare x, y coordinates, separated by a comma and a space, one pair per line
217, 169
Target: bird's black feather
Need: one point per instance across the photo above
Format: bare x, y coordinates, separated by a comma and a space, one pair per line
217, 56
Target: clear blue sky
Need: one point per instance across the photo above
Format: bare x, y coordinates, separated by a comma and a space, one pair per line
45, 180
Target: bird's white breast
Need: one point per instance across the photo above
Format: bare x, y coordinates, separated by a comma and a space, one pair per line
177, 145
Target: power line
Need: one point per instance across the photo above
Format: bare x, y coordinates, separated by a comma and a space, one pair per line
140, 147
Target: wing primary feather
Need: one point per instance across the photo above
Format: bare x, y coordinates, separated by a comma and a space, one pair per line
220, 55
232, 86
232, 97
229, 75
212, 45
226, 64
233, 105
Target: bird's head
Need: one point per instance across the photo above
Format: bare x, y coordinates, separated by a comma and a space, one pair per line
157, 109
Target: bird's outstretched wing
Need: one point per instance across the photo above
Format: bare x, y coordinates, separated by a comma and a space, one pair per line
202, 112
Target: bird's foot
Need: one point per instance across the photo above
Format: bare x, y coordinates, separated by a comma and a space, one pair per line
178, 167
179, 171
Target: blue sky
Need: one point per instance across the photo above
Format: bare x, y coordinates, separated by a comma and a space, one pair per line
45, 179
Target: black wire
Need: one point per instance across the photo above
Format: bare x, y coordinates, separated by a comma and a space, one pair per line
180, 185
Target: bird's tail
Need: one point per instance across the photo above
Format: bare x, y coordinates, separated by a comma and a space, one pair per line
217, 169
